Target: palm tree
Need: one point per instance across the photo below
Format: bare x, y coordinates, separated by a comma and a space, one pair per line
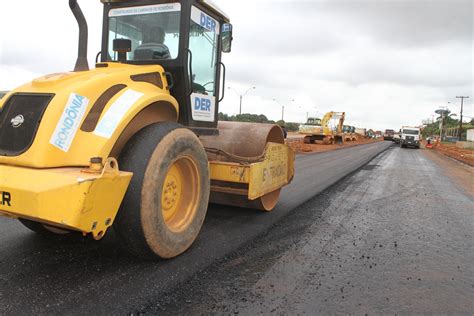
443, 119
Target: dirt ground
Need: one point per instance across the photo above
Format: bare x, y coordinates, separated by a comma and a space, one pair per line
450, 150
300, 147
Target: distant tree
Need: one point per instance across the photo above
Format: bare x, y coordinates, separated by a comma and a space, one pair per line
292, 127
256, 118
251, 118
224, 117
433, 128
451, 122
281, 123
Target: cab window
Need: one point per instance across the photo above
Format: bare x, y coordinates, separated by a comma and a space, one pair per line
203, 43
153, 31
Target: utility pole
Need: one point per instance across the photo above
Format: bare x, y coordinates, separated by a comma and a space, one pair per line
240, 109
283, 107
241, 95
460, 119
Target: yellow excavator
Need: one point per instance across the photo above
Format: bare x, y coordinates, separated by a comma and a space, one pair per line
353, 134
349, 133
320, 130
346, 133
135, 143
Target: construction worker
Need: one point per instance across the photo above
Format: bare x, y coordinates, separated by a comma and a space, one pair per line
285, 133
153, 46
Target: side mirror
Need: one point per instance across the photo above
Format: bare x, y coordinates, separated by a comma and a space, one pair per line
227, 38
122, 47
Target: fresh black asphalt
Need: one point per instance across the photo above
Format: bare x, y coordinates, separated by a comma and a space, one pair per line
395, 238
41, 276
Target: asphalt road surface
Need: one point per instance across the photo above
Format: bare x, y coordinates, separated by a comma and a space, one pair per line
394, 238
43, 276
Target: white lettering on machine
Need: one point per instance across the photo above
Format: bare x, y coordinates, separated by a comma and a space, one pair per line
69, 122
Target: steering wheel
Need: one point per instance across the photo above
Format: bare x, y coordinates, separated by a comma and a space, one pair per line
205, 85
197, 88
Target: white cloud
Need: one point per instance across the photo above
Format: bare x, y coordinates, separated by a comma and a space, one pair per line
13, 76
386, 62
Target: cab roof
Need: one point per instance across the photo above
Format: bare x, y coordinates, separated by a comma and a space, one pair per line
207, 3
212, 6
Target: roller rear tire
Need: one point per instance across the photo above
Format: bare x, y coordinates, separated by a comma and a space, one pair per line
166, 203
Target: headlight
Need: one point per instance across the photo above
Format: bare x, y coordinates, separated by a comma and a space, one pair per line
2, 94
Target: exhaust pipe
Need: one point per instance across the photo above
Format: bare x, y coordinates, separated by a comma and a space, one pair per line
81, 62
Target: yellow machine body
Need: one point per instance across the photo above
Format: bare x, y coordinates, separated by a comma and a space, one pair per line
314, 130
323, 131
324, 128
56, 187
91, 85
273, 172
69, 198
48, 184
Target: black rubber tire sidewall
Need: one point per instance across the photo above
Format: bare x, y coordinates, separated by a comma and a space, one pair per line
133, 220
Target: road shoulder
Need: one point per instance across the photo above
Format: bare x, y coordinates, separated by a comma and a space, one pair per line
459, 173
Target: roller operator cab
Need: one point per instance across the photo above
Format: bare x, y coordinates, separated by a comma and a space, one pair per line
134, 143
185, 38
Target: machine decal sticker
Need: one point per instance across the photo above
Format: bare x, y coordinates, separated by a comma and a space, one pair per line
203, 107
69, 123
17, 121
5, 198
227, 27
204, 20
149, 9
111, 119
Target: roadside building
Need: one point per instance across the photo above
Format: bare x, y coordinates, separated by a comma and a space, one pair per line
470, 135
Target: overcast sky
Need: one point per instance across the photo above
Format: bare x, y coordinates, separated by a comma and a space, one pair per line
386, 63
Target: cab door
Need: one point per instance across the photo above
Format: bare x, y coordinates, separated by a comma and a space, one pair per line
204, 55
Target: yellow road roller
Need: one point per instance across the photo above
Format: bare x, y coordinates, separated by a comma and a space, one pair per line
135, 143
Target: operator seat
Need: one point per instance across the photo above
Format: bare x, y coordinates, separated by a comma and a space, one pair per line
153, 46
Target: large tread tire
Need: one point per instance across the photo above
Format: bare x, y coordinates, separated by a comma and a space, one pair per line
151, 155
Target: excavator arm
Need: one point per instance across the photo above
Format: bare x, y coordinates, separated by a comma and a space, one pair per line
330, 115
327, 117
342, 118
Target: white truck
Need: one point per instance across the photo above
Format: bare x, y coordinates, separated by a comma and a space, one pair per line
410, 137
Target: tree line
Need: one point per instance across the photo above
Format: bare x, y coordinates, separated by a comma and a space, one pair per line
449, 122
258, 118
